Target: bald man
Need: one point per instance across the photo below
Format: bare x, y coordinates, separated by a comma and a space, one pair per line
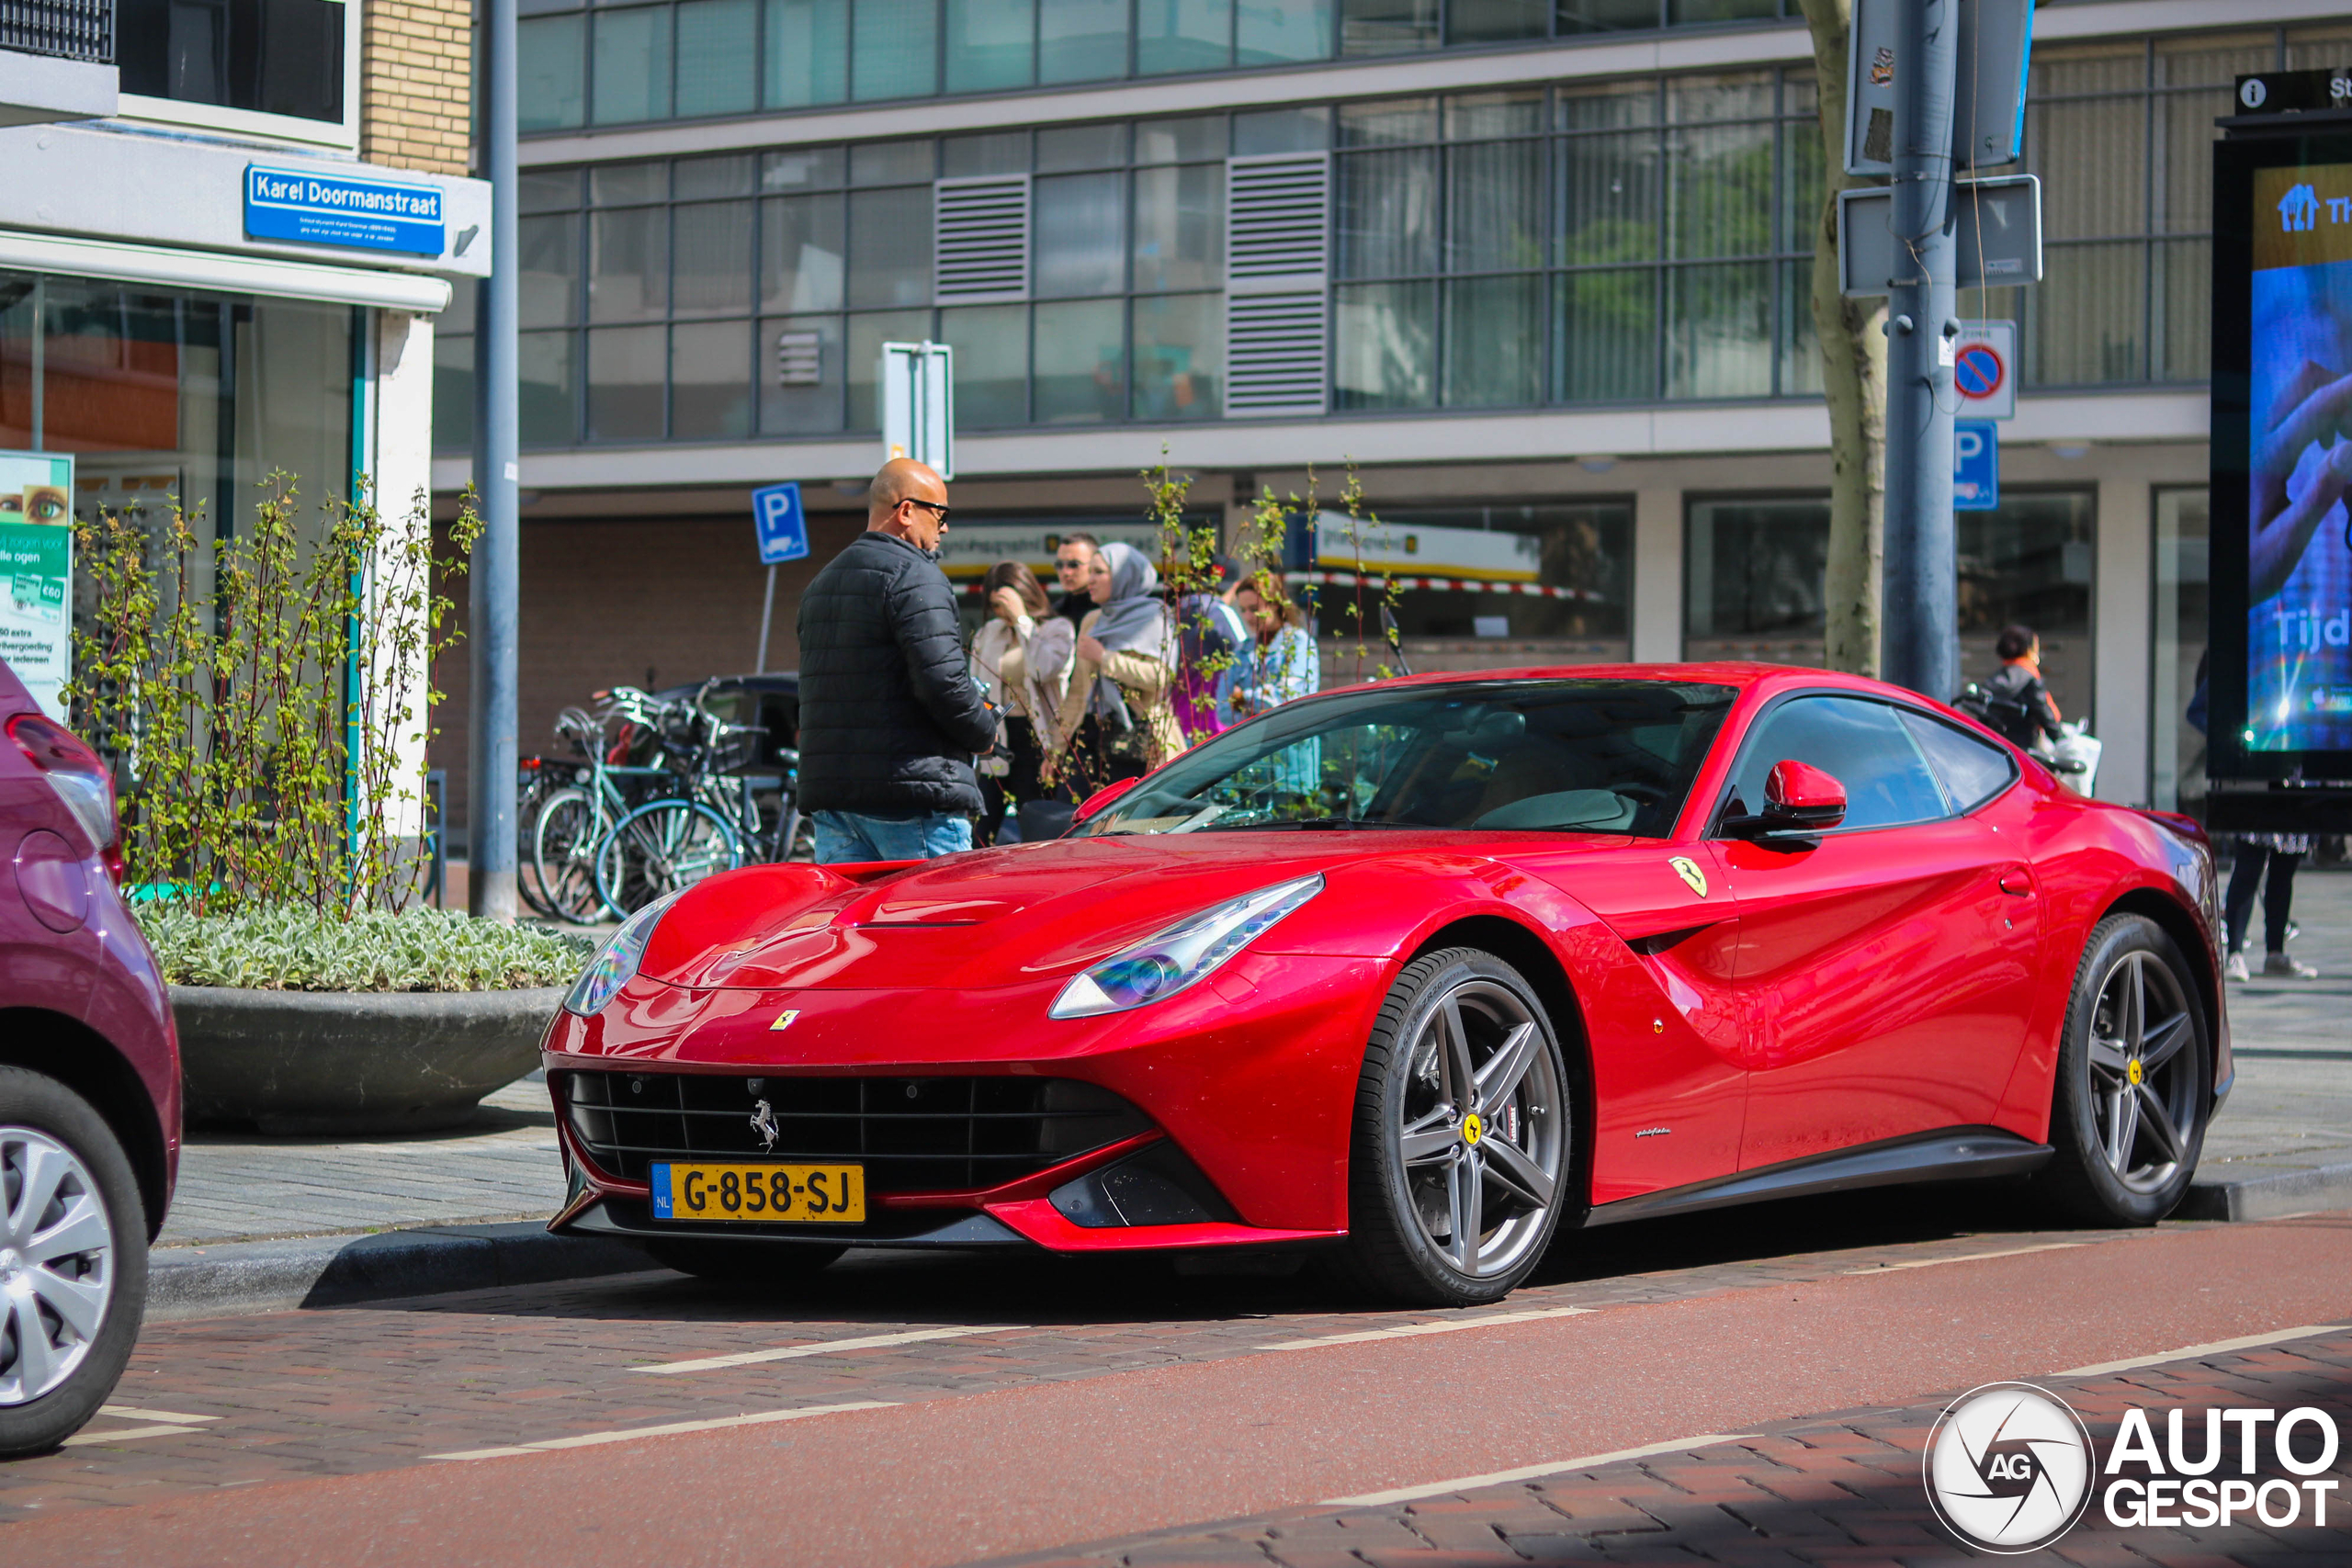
889, 716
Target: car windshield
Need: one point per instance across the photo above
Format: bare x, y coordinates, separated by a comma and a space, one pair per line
1592, 756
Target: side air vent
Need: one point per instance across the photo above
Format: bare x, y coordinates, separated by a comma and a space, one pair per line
1276, 278
981, 239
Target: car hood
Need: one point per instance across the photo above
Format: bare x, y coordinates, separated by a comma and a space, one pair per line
990, 918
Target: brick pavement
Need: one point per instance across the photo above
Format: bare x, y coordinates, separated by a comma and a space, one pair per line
1833, 1489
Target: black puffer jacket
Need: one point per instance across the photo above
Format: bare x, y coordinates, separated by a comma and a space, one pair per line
890, 717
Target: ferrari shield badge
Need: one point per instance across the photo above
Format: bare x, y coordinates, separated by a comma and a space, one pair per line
1684, 867
784, 1019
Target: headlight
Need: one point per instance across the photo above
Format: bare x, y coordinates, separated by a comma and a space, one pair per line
622, 952
1185, 955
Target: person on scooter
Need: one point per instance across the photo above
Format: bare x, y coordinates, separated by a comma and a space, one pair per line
2020, 706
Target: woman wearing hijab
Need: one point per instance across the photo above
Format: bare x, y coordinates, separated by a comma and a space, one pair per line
1123, 674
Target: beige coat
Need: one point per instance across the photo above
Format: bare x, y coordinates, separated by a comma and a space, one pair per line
1148, 686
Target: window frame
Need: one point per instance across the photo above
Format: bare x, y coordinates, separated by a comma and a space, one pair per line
293, 130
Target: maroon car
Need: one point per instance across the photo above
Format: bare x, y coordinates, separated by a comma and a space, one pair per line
89, 1087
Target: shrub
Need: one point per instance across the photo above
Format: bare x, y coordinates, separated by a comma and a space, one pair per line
296, 948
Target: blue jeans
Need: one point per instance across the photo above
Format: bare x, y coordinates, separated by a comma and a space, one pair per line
846, 836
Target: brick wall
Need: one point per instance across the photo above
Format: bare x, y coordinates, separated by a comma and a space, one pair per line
416, 85
633, 602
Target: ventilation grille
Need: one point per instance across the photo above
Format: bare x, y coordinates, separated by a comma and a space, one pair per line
983, 239
1279, 210
1274, 354
799, 359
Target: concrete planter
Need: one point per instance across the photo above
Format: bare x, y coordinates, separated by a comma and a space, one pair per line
331, 1062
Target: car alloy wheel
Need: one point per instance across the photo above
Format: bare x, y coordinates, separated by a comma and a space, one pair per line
56, 1252
2126, 1115
2145, 1085
1463, 1135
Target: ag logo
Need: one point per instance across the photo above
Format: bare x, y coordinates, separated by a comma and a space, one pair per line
2008, 1467
1688, 869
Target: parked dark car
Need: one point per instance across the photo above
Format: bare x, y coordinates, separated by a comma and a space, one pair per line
89, 1085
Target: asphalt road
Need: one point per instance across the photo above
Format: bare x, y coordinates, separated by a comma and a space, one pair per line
935, 1410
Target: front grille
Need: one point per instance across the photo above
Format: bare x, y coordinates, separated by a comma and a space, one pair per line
938, 1134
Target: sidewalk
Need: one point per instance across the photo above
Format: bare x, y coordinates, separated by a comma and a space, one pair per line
263, 1223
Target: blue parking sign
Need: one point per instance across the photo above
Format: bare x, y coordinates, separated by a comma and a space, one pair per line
782, 530
1975, 465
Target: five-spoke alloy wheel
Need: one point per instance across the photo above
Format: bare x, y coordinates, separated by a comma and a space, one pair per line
1463, 1135
2128, 1117
72, 1262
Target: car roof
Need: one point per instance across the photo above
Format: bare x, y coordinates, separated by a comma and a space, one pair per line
1742, 675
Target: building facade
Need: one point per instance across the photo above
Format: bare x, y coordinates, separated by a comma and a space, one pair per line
225, 235
1535, 275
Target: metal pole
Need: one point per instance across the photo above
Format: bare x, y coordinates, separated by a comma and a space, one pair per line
767, 614
491, 756
1922, 596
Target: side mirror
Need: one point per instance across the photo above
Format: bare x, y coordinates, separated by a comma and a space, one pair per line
1109, 792
1798, 799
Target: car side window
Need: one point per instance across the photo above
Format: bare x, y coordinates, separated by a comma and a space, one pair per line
1973, 771
1861, 744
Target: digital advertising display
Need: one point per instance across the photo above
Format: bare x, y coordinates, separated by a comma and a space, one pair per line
2280, 680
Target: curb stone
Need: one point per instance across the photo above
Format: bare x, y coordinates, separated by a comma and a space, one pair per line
2292, 1190
224, 1278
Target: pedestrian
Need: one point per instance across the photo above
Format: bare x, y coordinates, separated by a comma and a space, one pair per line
1210, 636
1016, 658
1070, 560
1123, 677
1279, 663
2018, 704
2268, 859
891, 717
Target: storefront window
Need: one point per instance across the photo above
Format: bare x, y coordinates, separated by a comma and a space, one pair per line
1752, 579
1576, 555
2177, 747
2028, 562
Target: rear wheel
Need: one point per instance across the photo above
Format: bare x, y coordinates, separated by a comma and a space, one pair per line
752, 1263
660, 848
2128, 1112
1461, 1150
72, 1262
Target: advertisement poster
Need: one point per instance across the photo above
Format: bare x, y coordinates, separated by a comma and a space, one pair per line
36, 562
2299, 558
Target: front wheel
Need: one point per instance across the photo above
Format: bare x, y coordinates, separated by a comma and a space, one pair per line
2128, 1112
72, 1262
1460, 1159
660, 848
563, 856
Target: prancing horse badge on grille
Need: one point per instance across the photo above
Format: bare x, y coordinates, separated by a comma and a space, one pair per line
763, 1123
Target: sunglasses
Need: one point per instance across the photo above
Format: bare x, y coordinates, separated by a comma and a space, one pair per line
935, 509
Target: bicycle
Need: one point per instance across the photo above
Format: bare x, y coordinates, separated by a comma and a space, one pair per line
573, 822
673, 842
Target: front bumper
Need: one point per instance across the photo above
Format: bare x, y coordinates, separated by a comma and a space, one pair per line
1250, 1077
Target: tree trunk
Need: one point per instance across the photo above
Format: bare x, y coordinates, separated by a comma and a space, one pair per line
1852, 333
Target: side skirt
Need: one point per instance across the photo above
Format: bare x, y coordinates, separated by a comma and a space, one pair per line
1958, 1153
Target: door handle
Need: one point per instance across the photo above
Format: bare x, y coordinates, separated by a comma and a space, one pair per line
2015, 881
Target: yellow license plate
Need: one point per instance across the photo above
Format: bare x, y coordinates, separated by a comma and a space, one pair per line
772, 1194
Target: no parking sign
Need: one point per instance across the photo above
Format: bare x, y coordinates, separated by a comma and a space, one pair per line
1985, 370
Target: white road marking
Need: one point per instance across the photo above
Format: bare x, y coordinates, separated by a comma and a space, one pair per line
2218, 1348
629, 1434
1530, 1472
133, 1413
128, 1434
1413, 1330
1968, 1257
826, 1348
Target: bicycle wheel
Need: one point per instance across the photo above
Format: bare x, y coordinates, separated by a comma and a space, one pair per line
563, 856
660, 848
530, 803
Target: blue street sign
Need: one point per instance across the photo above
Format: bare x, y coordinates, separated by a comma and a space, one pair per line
782, 530
335, 210
1975, 465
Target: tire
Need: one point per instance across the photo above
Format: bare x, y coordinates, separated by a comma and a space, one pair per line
660, 848
1418, 1157
2128, 1112
51, 1138
746, 1263
563, 856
